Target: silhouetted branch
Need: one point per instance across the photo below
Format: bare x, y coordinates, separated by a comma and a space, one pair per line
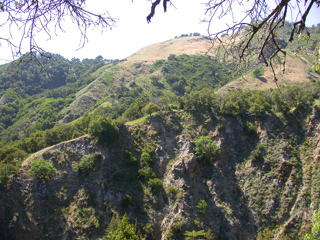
153, 8
32, 17
256, 35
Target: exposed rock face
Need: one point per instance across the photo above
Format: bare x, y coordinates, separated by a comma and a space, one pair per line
271, 177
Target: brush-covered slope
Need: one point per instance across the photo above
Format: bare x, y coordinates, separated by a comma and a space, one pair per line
176, 76
58, 91
265, 181
145, 69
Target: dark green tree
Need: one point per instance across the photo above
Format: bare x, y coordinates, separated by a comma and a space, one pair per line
202, 207
155, 184
206, 150
121, 229
89, 163
104, 130
258, 72
42, 170
146, 173
150, 108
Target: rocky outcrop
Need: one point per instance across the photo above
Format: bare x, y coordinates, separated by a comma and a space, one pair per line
262, 179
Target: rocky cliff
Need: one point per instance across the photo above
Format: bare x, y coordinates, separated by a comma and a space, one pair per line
266, 180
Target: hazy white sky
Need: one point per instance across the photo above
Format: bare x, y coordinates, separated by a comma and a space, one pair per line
132, 32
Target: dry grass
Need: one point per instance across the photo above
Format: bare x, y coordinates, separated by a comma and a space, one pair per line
187, 45
296, 71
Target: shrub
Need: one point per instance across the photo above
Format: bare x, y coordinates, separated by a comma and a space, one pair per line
146, 159
126, 201
258, 72
315, 231
206, 150
154, 79
202, 207
42, 170
172, 191
249, 128
146, 173
257, 103
194, 234
121, 229
176, 227
150, 108
89, 163
155, 184
104, 130
6, 171
129, 158
257, 153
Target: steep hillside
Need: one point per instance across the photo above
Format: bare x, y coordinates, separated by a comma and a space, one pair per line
202, 150
297, 71
176, 76
161, 51
83, 87
141, 68
264, 181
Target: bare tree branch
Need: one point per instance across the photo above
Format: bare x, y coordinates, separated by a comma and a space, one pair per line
256, 35
35, 16
153, 8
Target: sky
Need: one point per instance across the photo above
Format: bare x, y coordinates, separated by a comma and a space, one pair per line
132, 32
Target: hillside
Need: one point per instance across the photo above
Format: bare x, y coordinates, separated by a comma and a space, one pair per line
169, 143
80, 86
185, 45
263, 180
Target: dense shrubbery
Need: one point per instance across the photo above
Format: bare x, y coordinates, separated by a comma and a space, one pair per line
181, 82
249, 128
134, 111
150, 108
42, 170
127, 104
155, 184
146, 173
121, 228
315, 231
129, 158
202, 207
187, 73
89, 163
6, 171
53, 72
297, 98
104, 130
245, 102
146, 158
206, 150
